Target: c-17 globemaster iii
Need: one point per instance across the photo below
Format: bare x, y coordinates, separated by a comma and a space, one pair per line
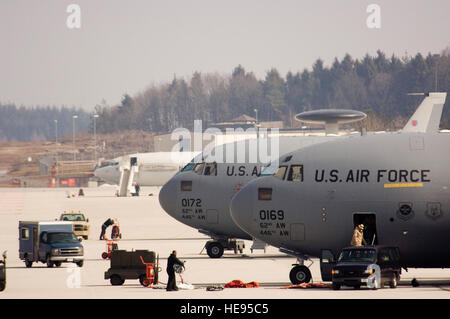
396, 185
200, 195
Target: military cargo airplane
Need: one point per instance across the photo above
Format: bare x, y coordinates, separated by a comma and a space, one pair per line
396, 185
199, 196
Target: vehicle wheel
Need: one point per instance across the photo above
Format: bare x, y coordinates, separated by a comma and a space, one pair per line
116, 280
214, 250
145, 282
2, 285
49, 262
335, 286
142, 278
85, 237
57, 263
393, 283
28, 263
80, 263
300, 274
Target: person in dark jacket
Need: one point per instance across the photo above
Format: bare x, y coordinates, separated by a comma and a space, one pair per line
171, 261
105, 225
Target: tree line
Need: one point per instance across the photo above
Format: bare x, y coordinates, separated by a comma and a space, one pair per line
378, 85
27, 124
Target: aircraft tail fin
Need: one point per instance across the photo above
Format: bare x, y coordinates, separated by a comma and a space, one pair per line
427, 117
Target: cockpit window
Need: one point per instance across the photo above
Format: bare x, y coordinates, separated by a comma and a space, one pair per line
287, 159
188, 167
281, 172
295, 173
269, 170
199, 168
106, 164
210, 169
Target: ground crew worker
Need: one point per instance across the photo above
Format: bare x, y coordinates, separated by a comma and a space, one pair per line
171, 261
358, 236
105, 225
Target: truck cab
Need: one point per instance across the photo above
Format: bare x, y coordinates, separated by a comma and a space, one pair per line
80, 223
49, 242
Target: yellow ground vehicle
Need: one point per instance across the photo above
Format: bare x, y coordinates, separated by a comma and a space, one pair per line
80, 223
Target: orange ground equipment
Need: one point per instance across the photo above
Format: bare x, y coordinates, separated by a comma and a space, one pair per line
150, 273
110, 246
241, 284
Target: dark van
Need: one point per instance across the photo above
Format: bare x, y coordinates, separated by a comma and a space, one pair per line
371, 266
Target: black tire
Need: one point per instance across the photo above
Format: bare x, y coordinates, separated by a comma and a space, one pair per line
142, 278
116, 280
28, 263
80, 263
214, 250
335, 286
49, 262
394, 281
57, 263
2, 285
300, 274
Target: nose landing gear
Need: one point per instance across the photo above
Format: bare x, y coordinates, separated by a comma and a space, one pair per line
300, 273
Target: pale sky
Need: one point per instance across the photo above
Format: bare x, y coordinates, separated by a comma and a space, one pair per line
125, 46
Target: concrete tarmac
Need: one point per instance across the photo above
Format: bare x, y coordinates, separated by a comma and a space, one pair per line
144, 225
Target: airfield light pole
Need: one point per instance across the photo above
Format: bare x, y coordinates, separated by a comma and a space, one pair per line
73, 136
256, 123
95, 139
56, 140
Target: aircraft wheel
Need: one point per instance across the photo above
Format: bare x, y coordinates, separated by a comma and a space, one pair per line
214, 250
300, 274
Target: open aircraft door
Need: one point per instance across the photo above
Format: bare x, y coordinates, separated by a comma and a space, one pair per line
327, 262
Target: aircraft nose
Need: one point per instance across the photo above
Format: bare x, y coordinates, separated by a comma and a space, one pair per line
241, 208
167, 197
100, 173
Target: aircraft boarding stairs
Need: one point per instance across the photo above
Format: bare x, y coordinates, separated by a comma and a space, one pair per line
128, 168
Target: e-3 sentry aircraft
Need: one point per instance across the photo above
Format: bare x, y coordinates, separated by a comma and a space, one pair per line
397, 185
145, 169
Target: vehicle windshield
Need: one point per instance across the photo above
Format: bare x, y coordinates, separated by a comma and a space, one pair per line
357, 255
73, 217
61, 238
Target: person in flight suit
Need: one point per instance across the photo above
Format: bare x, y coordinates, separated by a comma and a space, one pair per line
171, 261
358, 236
